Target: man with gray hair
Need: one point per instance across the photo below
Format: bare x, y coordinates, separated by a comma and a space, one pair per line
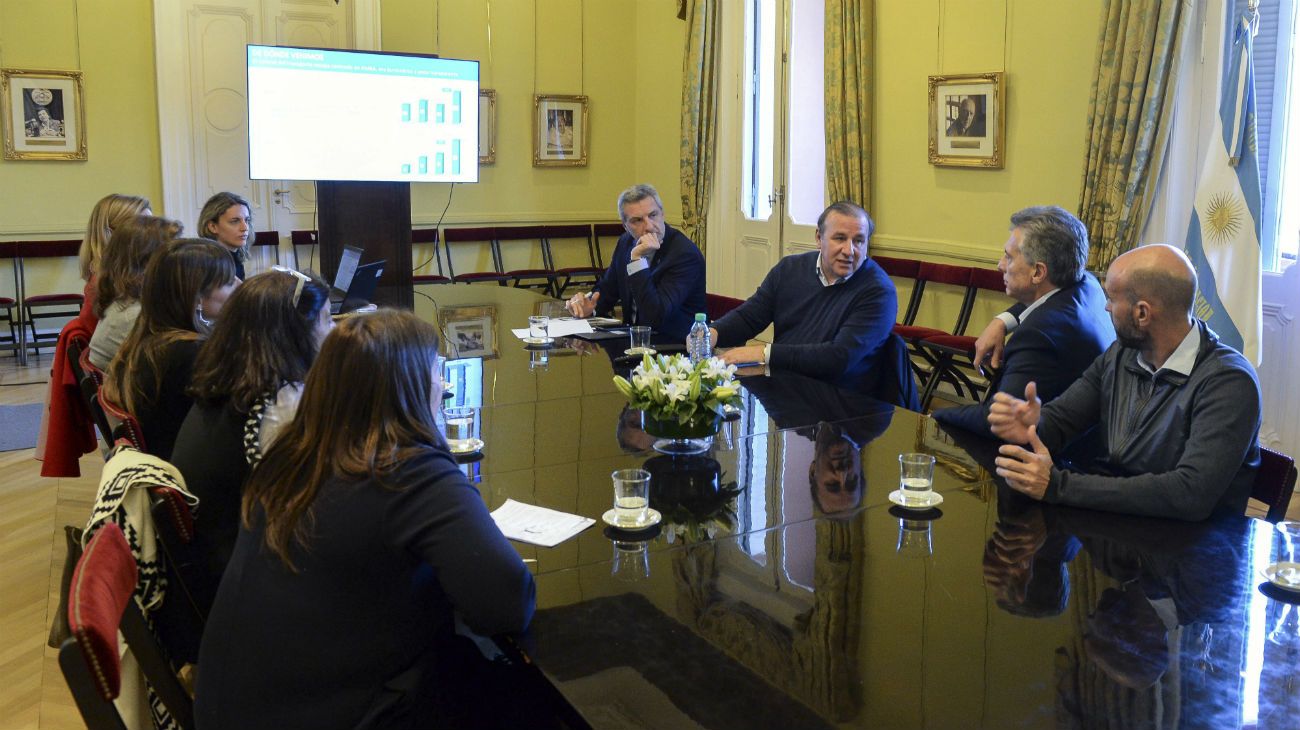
656, 272
1059, 321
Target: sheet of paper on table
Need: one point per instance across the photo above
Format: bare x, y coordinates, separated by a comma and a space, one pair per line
559, 328
538, 525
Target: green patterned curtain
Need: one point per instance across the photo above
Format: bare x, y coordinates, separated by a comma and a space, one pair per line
848, 60
1129, 119
699, 113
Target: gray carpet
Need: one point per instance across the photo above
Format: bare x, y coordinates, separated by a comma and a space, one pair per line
19, 426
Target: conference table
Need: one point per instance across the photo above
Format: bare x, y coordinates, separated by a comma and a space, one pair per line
764, 599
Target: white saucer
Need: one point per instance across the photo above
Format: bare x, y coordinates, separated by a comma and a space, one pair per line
539, 340
652, 518
647, 351
1271, 573
474, 446
935, 500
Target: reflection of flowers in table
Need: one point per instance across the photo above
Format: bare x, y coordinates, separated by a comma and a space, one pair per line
690, 493
672, 390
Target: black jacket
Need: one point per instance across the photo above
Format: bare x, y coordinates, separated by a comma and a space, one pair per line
665, 296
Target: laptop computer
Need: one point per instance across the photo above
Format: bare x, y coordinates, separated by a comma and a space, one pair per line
354, 283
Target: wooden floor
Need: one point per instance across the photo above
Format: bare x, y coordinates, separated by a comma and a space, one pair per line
33, 511
32, 514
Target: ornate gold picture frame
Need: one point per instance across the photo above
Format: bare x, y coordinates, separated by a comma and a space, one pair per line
487, 126
44, 114
968, 120
559, 131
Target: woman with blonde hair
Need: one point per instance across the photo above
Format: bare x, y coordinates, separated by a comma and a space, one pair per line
361, 545
226, 219
185, 286
117, 288
110, 212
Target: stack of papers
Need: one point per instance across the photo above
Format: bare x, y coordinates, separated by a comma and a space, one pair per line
538, 525
559, 328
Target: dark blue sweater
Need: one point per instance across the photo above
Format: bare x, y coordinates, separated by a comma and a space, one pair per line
832, 333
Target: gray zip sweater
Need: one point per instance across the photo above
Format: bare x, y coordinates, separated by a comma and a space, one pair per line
1174, 446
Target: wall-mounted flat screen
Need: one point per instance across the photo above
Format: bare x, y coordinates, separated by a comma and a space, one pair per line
320, 114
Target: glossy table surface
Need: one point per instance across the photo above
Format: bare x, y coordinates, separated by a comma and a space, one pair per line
776, 594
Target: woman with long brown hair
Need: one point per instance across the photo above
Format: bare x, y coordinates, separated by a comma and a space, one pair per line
110, 212
361, 543
185, 285
247, 382
226, 219
117, 287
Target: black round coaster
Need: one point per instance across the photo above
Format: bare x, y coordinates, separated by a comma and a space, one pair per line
620, 535
921, 515
469, 458
1279, 594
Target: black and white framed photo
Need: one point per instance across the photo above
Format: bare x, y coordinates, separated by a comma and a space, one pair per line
967, 120
44, 115
559, 131
470, 331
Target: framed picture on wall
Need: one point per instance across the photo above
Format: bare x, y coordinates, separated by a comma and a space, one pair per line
470, 331
967, 120
44, 116
487, 126
559, 131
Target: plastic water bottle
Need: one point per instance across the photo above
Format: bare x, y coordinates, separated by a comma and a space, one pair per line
698, 343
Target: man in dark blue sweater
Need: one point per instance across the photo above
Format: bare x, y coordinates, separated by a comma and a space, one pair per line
833, 309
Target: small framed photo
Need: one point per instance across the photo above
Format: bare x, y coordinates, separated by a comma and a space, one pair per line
470, 331
487, 126
559, 131
44, 116
967, 120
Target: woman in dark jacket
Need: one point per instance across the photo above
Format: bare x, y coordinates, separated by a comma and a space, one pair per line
361, 545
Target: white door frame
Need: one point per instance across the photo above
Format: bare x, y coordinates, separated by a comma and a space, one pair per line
174, 128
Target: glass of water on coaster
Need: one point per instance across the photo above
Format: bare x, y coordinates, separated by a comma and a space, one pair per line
538, 326
462, 429
916, 478
631, 497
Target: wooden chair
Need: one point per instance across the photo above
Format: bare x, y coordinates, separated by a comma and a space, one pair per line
428, 236
479, 237
101, 603
7, 316
300, 238
533, 240
190, 588
124, 425
953, 355
1274, 482
717, 305
79, 360
904, 269
262, 240
931, 280
566, 276
605, 230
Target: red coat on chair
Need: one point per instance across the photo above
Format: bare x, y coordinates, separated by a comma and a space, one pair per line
70, 431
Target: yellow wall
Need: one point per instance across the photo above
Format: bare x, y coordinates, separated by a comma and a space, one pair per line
1047, 54
624, 55
961, 215
112, 44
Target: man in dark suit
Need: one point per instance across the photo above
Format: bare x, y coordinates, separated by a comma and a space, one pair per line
656, 272
1059, 324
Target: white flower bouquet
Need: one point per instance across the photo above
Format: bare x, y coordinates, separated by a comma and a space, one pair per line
682, 399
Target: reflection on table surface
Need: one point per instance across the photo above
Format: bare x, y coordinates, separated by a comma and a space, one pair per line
987, 617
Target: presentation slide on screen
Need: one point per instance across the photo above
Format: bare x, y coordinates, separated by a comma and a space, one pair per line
340, 115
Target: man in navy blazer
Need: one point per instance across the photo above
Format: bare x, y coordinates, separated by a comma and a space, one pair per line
656, 272
1059, 323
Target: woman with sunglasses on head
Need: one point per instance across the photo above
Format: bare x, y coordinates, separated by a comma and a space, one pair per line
117, 287
361, 545
227, 219
185, 286
247, 381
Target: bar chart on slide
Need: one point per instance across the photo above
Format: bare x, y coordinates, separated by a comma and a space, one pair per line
338, 115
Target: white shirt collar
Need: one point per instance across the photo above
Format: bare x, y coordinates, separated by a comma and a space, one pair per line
821, 276
1183, 358
1035, 304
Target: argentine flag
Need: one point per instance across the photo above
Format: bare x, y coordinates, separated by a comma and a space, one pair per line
1223, 239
